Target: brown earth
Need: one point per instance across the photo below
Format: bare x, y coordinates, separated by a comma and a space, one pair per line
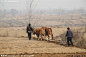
20, 44
11, 45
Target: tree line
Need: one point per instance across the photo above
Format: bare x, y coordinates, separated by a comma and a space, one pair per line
13, 12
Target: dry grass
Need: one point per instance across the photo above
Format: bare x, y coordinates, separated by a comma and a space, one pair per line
78, 37
58, 32
9, 44
13, 32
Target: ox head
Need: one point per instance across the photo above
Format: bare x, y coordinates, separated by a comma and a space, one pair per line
34, 31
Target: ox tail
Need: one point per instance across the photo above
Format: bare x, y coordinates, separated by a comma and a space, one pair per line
50, 30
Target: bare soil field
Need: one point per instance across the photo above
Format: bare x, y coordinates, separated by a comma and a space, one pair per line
14, 40
11, 45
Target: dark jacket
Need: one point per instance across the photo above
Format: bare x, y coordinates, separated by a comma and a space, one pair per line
69, 33
29, 29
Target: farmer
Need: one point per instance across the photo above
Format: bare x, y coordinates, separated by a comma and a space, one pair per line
69, 35
29, 30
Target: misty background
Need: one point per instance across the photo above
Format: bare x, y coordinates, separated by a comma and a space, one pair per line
46, 6
13, 11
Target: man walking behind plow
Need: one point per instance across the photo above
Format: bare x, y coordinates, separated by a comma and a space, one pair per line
29, 30
69, 35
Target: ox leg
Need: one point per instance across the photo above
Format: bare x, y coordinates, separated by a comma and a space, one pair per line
44, 37
48, 37
52, 36
41, 37
38, 37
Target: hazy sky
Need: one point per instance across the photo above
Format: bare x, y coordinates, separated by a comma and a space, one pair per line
64, 4
44, 4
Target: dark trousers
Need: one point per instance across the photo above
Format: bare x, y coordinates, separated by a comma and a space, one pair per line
69, 39
29, 35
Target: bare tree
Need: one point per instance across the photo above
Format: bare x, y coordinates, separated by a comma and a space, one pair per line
30, 7
31, 18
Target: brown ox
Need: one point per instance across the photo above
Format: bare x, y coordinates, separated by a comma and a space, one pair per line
39, 31
48, 31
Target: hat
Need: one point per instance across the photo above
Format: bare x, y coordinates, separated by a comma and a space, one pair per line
68, 28
29, 24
